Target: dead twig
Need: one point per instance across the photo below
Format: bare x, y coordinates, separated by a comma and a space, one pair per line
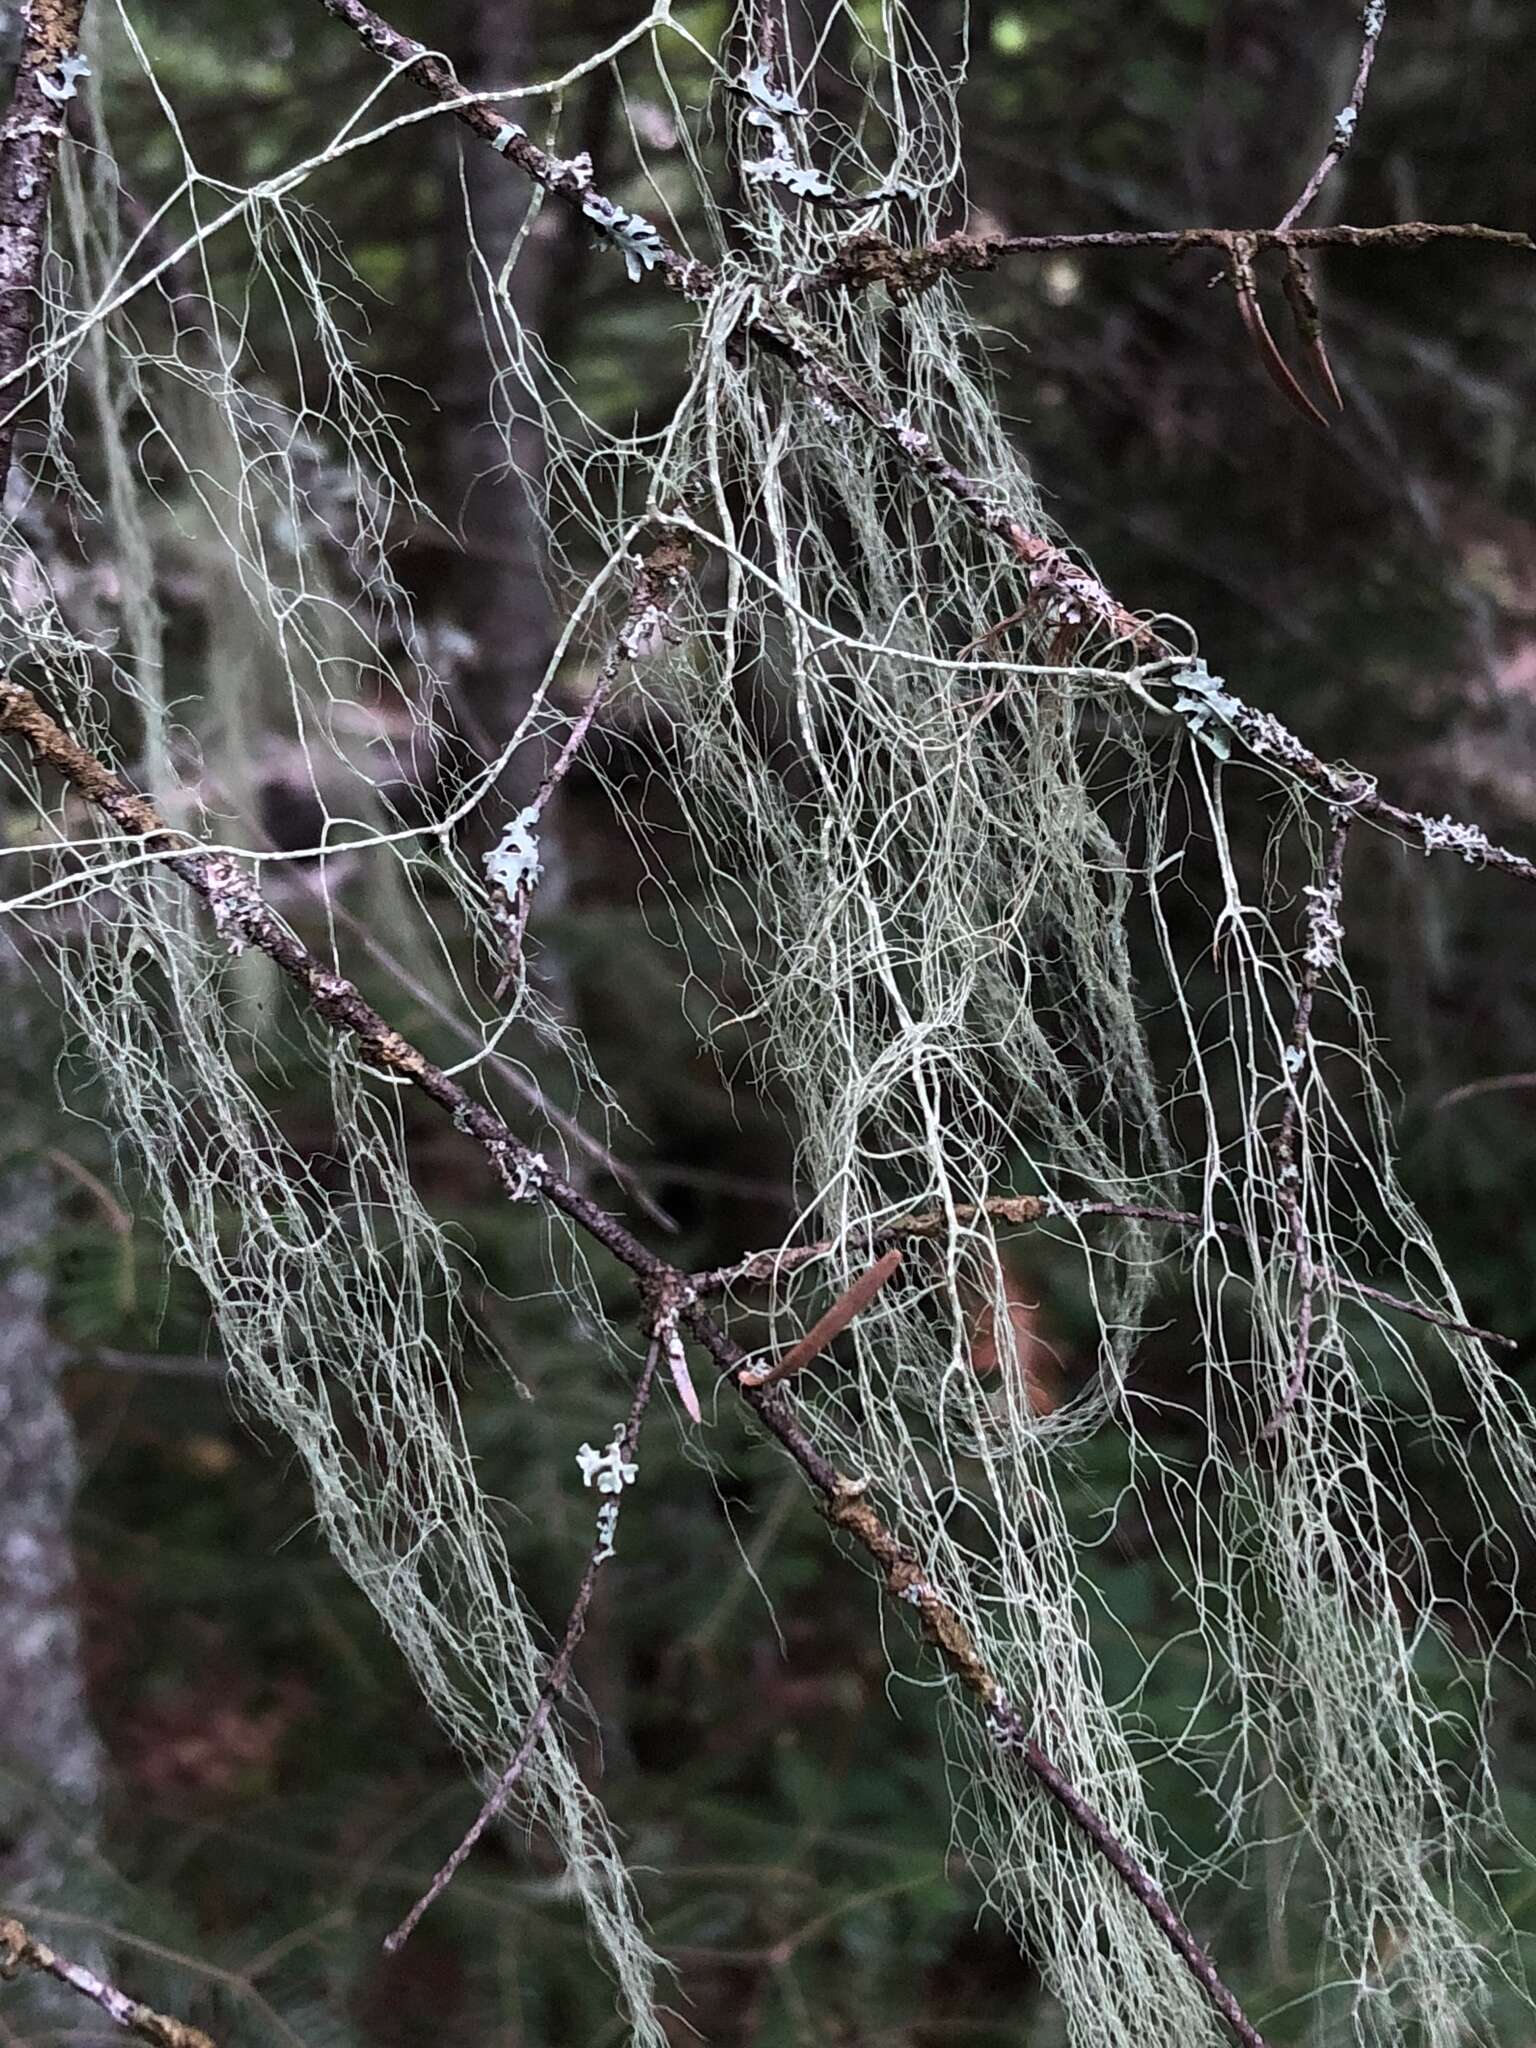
1025, 1209
1245, 289
20, 1951
619, 1461
1061, 591
1347, 121
872, 259
852, 1302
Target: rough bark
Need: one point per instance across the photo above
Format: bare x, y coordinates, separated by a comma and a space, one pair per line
50, 1759
29, 147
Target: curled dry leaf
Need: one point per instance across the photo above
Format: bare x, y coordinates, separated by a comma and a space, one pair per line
1013, 1339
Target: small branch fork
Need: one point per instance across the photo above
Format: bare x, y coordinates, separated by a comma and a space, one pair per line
20, 1951
243, 918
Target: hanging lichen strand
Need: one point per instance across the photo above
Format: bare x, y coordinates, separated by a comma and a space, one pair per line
335, 1296
928, 853
930, 856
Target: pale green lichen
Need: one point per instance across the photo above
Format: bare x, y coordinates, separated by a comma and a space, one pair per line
935, 863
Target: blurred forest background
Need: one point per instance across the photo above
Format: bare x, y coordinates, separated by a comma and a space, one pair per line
213, 1766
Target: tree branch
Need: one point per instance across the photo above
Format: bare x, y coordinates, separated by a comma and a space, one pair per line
1025, 1209
20, 1951
242, 917
1067, 597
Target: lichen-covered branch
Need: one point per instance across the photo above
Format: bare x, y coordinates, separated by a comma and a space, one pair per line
1064, 594
1346, 121
243, 918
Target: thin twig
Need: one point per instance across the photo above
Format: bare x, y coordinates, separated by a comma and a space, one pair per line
770, 1265
1324, 932
559, 1671
21, 1951
658, 581
1401, 234
852, 1302
1024, 1209
242, 917
872, 258
1071, 597
1347, 120
1299, 289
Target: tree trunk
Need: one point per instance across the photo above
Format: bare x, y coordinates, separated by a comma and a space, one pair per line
50, 1758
